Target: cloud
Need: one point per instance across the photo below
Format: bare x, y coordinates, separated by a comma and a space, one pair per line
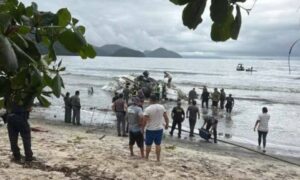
269, 30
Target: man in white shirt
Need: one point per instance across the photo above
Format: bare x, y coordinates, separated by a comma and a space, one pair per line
156, 119
263, 127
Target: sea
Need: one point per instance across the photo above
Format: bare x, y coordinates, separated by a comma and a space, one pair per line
270, 85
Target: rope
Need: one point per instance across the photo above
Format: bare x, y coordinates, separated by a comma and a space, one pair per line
249, 149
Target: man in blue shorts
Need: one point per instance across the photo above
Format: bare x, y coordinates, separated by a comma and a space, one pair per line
156, 119
134, 118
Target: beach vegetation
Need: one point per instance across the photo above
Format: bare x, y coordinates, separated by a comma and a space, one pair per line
25, 73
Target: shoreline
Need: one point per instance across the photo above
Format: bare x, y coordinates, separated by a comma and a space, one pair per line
89, 152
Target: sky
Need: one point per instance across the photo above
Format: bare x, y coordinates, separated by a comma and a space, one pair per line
269, 30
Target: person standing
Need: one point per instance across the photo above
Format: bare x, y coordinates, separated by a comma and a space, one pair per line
120, 107
192, 113
178, 116
126, 93
156, 119
68, 107
263, 127
229, 103
222, 98
211, 126
205, 97
157, 92
76, 106
17, 123
168, 76
134, 118
192, 95
215, 97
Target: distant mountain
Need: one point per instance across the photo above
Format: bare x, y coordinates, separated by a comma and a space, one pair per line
126, 52
162, 53
114, 50
108, 50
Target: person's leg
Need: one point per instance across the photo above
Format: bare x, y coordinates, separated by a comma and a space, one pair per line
206, 102
191, 129
26, 137
148, 141
13, 138
157, 141
148, 150
78, 117
74, 116
173, 127
140, 143
215, 135
179, 129
259, 138
118, 124
131, 143
123, 124
264, 134
193, 122
69, 115
66, 114
157, 150
202, 103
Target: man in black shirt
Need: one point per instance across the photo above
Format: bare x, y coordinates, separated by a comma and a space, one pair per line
178, 117
229, 103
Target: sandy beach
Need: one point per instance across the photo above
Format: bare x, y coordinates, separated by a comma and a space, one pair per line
68, 152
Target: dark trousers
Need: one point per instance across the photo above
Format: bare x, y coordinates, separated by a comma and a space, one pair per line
208, 126
215, 103
222, 101
206, 103
76, 115
228, 108
68, 114
264, 136
121, 121
174, 126
18, 124
192, 126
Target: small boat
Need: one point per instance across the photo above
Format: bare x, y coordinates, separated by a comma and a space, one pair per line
240, 67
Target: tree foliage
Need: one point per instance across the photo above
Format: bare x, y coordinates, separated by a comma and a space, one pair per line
26, 74
225, 24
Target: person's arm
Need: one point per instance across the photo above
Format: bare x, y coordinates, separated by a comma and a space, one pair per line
256, 124
166, 120
172, 113
198, 114
204, 123
183, 114
113, 107
187, 113
146, 118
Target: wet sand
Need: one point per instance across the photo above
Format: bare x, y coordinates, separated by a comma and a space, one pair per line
69, 152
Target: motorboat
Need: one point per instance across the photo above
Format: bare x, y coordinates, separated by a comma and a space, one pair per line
240, 67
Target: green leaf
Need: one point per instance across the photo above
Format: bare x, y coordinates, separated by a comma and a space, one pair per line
29, 11
219, 10
222, 31
88, 51
72, 41
191, 15
81, 29
23, 58
44, 102
74, 21
19, 40
64, 17
180, 2
1, 103
51, 52
47, 80
236, 24
5, 21
33, 50
24, 30
18, 81
35, 77
56, 85
235, 1
8, 58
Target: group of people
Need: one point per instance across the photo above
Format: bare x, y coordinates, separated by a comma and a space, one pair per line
216, 98
72, 104
150, 121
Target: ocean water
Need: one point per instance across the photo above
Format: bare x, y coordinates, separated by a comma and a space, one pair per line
270, 86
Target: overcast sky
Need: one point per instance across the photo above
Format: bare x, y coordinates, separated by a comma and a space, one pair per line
269, 30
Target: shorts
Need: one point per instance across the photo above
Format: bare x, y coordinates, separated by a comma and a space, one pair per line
153, 136
136, 137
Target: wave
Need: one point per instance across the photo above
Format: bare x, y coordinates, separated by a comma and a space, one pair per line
268, 101
89, 76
